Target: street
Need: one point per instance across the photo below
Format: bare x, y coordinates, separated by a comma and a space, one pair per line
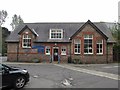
54, 76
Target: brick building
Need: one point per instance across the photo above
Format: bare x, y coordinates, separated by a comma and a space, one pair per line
87, 42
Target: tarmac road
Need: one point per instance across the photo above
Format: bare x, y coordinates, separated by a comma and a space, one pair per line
53, 76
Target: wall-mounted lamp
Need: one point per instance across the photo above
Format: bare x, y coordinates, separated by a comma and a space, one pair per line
55, 44
26, 32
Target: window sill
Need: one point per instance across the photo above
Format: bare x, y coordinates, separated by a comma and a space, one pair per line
88, 54
47, 54
55, 38
101, 54
26, 47
63, 54
76, 53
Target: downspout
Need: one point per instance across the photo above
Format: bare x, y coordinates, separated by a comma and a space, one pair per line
70, 51
70, 54
17, 51
106, 52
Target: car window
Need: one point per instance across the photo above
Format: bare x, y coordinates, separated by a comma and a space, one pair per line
1, 68
5, 67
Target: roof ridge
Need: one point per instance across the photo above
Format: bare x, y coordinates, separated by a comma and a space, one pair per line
63, 22
55, 23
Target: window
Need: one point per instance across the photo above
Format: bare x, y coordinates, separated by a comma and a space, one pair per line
88, 47
63, 50
26, 41
56, 33
1, 68
47, 50
77, 46
99, 47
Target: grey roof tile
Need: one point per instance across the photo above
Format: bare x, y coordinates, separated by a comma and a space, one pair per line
42, 30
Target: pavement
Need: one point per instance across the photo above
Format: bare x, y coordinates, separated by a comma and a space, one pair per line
3, 59
93, 72
109, 68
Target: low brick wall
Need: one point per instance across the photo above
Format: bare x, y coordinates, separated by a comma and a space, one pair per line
92, 59
33, 57
63, 59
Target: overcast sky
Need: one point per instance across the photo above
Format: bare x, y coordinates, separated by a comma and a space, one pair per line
61, 10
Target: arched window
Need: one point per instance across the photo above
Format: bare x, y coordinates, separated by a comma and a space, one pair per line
26, 41
77, 48
99, 46
63, 50
47, 50
88, 44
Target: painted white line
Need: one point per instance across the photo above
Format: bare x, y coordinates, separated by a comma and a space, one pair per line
93, 72
108, 67
111, 67
116, 66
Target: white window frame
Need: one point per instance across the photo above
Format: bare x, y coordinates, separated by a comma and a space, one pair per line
47, 48
63, 50
88, 48
27, 40
100, 53
56, 31
78, 42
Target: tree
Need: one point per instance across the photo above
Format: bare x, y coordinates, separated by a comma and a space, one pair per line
16, 20
0, 40
3, 15
116, 32
116, 48
5, 34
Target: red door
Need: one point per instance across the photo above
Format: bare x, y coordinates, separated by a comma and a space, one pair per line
55, 54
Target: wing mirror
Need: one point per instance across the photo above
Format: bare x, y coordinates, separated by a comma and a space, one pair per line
5, 70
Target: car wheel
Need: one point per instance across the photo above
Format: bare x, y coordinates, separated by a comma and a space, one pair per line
19, 82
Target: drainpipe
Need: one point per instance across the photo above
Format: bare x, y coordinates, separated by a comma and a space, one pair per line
70, 51
106, 52
17, 52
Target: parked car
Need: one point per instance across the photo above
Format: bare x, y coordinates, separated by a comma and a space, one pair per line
13, 77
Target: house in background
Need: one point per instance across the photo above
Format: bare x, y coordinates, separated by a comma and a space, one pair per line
87, 42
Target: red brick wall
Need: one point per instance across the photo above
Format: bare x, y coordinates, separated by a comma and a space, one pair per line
31, 54
27, 55
11, 51
94, 58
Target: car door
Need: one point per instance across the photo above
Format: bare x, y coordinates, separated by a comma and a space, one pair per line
6, 79
0, 76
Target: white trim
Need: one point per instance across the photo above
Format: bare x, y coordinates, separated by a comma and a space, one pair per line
63, 47
99, 48
88, 38
88, 53
35, 32
77, 48
26, 39
47, 47
63, 54
76, 53
25, 47
56, 38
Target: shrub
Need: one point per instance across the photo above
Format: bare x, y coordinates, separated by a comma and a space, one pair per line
35, 60
69, 60
77, 61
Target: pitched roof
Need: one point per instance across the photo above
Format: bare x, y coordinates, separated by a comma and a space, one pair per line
94, 26
32, 30
69, 29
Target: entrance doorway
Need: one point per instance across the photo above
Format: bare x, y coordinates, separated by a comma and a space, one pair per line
55, 54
